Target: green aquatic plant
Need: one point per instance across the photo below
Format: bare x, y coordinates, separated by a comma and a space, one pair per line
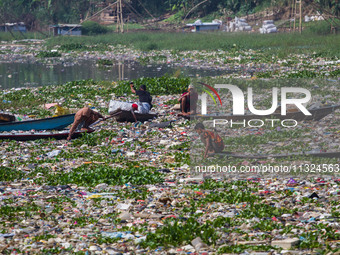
239, 248
175, 232
10, 174
92, 175
100, 239
48, 54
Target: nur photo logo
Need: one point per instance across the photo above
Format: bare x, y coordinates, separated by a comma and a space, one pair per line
238, 100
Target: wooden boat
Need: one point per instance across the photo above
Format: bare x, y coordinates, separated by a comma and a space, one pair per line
56, 123
331, 154
317, 114
122, 116
5, 117
29, 136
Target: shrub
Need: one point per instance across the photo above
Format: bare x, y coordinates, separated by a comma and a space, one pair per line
93, 28
320, 28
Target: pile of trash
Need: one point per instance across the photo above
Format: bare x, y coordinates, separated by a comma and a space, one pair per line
268, 27
314, 18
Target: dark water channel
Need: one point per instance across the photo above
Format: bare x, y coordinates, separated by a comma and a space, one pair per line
15, 75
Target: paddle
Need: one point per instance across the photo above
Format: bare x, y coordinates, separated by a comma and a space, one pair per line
111, 116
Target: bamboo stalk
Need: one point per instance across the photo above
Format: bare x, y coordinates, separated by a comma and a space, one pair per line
117, 17
294, 25
300, 23
121, 17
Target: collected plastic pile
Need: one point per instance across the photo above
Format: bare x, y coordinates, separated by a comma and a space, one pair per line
313, 18
239, 25
268, 27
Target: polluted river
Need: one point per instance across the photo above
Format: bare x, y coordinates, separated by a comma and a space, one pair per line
134, 188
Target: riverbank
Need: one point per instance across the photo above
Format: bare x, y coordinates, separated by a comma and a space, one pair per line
241, 55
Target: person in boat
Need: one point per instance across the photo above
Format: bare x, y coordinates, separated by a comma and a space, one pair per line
83, 119
145, 98
134, 108
188, 101
212, 141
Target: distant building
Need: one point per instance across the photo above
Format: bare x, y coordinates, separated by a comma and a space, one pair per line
66, 29
14, 27
198, 26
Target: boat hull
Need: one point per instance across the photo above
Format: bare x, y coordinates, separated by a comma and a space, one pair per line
56, 123
122, 116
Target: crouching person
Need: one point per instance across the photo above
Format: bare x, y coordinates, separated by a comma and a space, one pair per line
83, 119
212, 141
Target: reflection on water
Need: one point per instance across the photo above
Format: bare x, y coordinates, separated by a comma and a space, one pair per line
37, 74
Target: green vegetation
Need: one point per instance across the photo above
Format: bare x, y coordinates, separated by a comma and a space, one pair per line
171, 102
319, 28
176, 18
311, 240
92, 175
73, 46
175, 233
236, 249
37, 14
271, 44
5, 36
264, 211
232, 197
14, 212
93, 28
48, 54
107, 240
6, 174
43, 237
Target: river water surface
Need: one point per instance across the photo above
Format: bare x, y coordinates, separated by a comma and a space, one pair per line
15, 75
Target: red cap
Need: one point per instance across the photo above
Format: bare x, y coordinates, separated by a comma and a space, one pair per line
134, 106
